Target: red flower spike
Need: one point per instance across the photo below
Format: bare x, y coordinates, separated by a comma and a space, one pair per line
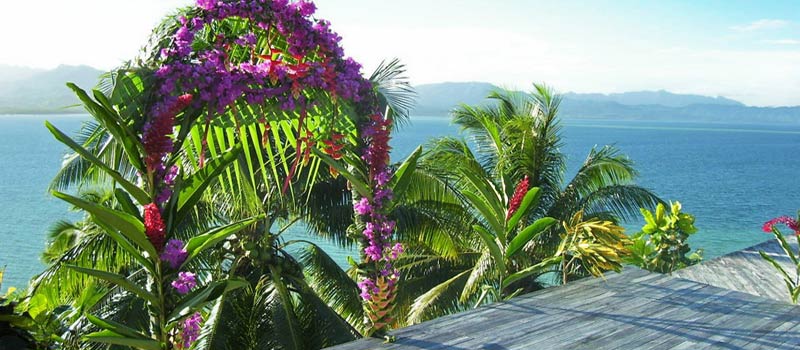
516, 199
154, 226
791, 223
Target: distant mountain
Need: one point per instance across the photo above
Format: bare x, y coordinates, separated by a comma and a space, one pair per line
439, 99
660, 98
25, 90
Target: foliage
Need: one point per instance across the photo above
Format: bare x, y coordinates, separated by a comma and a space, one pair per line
161, 163
598, 245
30, 321
661, 245
514, 138
792, 281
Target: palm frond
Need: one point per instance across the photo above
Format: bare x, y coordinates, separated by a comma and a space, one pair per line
332, 284
394, 88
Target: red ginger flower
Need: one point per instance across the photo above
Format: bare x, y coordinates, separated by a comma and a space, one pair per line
155, 137
516, 199
788, 221
154, 226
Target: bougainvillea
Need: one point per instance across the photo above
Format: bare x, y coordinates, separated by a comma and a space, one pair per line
282, 58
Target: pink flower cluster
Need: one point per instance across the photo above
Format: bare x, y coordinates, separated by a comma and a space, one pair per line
378, 229
190, 330
185, 282
791, 223
311, 59
174, 253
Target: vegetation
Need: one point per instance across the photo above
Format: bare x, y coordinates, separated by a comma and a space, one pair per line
661, 245
792, 280
187, 189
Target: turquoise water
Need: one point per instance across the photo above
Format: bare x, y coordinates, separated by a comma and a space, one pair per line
732, 177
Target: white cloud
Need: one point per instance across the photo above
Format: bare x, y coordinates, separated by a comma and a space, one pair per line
761, 24
783, 42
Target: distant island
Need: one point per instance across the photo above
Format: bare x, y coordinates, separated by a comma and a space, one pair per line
37, 91
438, 99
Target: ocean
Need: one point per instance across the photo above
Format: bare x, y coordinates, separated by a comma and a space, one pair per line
732, 177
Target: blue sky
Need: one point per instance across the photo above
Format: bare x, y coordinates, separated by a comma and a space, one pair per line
745, 50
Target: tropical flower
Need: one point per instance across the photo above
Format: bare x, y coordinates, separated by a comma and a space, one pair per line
191, 330
185, 282
790, 222
154, 226
519, 194
174, 253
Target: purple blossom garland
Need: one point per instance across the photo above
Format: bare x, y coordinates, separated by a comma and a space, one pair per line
378, 287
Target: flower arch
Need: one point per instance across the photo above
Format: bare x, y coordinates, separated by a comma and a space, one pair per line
270, 62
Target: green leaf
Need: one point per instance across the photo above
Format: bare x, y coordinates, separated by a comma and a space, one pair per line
118, 280
530, 198
361, 187
402, 177
192, 188
106, 115
786, 247
127, 204
777, 266
197, 298
535, 269
528, 233
198, 244
487, 190
141, 196
115, 327
129, 226
490, 242
110, 337
486, 212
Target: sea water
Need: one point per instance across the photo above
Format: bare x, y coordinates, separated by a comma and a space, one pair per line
732, 177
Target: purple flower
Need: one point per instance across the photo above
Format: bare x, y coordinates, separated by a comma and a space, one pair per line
366, 285
172, 174
373, 252
164, 196
174, 253
397, 249
185, 282
207, 5
362, 207
382, 178
191, 329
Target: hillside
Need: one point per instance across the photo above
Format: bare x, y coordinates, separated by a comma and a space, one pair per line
439, 99
25, 90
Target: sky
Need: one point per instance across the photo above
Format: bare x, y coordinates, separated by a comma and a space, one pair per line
745, 50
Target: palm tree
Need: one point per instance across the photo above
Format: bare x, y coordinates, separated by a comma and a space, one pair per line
518, 137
